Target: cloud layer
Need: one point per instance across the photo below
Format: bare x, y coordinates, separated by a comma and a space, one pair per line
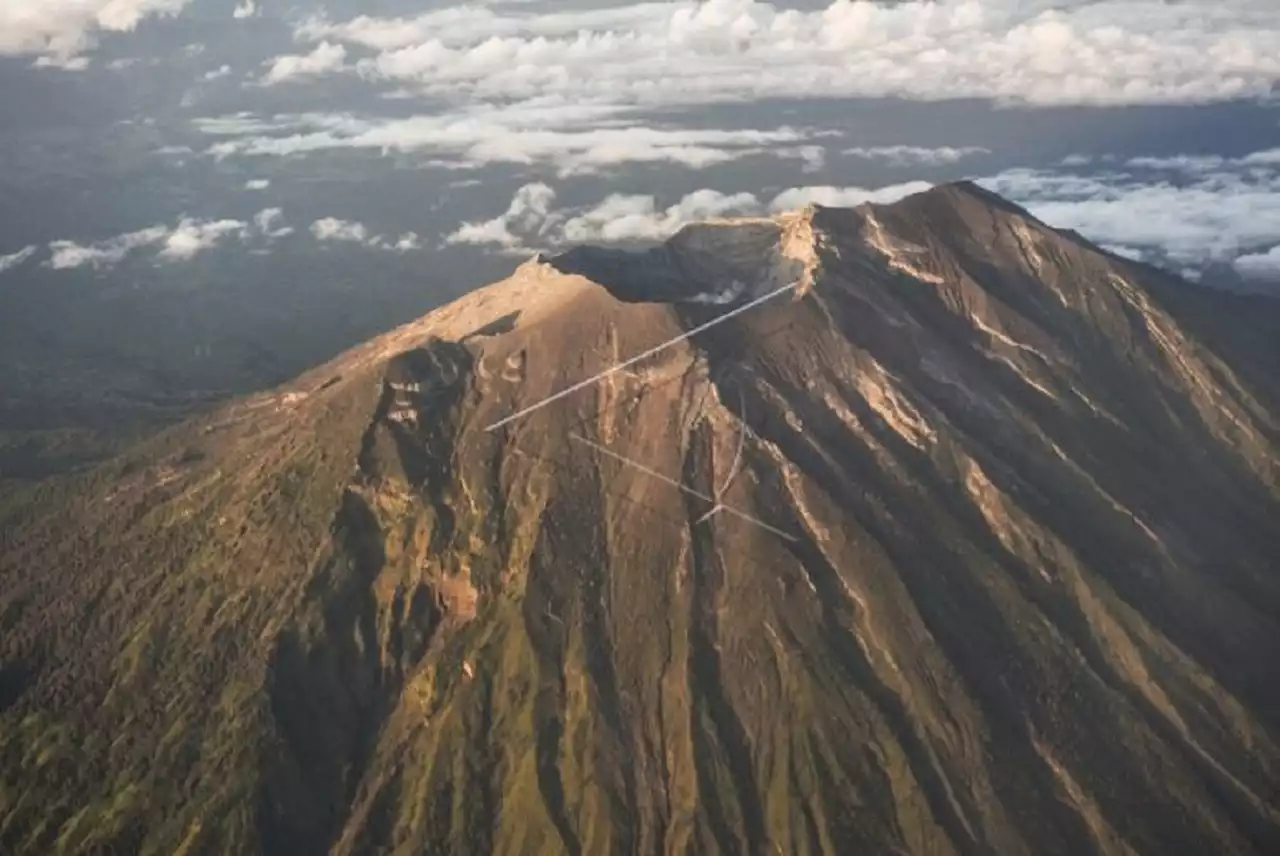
1187, 211
574, 139
532, 221
656, 54
587, 89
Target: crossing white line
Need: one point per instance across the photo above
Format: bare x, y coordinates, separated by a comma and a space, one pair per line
720, 506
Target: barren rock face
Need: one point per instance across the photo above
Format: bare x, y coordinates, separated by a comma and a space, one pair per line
965, 544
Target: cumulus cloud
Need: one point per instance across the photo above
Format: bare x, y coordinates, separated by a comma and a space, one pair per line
532, 220
575, 88
267, 221
245, 9
813, 158
215, 74
257, 184
407, 242
325, 59
355, 232
13, 260
333, 229
59, 32
638, 218
916, 155
529, 213
562, 135
651, 54
192, 237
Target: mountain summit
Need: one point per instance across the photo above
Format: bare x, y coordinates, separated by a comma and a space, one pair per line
957, 536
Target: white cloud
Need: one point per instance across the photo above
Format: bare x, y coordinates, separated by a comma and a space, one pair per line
192, 237
529, 213
573, 87
565, 136
13, 260
1126, 252
68, 254
407, 242
1219, 209
1260, 265
60, 31
257, 184
916, 155
333, 229
1064, 52
638, 218
1229, 214
844, 197
1200, 164
531, 220
244, 123
73, 63
813, 158
266, 222
325, 59
355, 232
245, 9
182, 242
220, 71
1270, 157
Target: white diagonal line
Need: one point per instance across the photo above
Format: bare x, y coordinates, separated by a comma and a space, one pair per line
710, 514
742, 515
681, 486
742, 445
649, 353
642, 468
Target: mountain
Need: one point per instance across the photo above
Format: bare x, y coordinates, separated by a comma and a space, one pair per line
956, 536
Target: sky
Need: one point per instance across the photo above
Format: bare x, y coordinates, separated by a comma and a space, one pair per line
250, 158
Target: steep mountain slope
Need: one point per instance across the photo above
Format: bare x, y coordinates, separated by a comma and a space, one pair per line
1015, 591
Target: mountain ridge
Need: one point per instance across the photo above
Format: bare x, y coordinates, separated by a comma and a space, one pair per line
1026, 488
